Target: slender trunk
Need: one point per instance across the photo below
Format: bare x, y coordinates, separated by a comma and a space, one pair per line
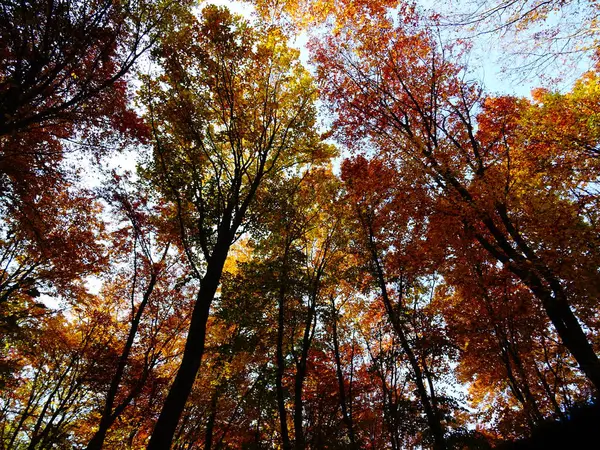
300, 441
434, 401
210, 425
558, 382
347, 418
515, 388
108, 418
309, 327
257, 439
433, 420
46, 438
166, 425
236, 410
390, 411
432, 417
285, 437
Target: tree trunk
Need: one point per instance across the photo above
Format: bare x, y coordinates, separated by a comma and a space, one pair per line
300, 443
108, 417
285, 437
210, 425
573, 337
166, 425
433, 419
347, 418
309, 327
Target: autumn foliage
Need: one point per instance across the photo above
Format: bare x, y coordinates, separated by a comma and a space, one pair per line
210, 239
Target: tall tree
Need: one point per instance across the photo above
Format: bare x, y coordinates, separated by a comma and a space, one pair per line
153, 273
389, 242
233, 108
415, 105
62, 79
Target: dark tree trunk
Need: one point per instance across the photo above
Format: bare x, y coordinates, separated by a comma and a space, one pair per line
309, 327
300, 442
166, 425
108, 417
433, 419
573, 337
280, 359
210, 425
346, 416
285, 438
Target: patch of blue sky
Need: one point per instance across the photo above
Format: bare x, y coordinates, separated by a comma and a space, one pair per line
506, 60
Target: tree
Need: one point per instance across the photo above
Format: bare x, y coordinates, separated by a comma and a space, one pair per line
507, 349
232, 109
75, 373
154, 273
64, 364
49, 256
414, 105
389, 242
344, 385
304, 236
62, 78
63, 70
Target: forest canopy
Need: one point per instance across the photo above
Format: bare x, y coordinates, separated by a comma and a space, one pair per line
297, 224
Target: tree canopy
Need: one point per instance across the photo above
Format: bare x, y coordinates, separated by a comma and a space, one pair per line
348, 245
